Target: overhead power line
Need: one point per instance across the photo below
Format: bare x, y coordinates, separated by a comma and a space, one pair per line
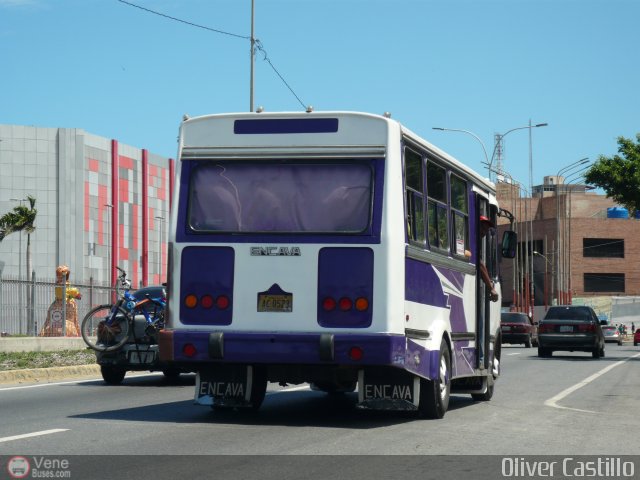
258, 44
245, 37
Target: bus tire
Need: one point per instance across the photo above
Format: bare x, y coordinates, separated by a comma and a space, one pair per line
434, 394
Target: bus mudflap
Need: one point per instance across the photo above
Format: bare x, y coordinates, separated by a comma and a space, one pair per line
241, 386
388, 389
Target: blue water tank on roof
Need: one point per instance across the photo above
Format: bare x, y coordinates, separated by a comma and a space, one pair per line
617, 212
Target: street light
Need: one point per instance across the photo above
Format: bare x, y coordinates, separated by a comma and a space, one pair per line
489, 162
567, 231
559, 244
500, 137
468, 133
160, 247
20, 240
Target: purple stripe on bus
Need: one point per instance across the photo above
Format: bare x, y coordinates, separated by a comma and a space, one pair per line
285, 125
292, 348
345, 273
422, 284
207, 271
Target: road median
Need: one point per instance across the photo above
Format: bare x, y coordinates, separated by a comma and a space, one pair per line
44, 375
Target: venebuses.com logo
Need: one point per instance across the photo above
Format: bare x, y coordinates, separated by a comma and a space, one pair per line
38, 467
18, 467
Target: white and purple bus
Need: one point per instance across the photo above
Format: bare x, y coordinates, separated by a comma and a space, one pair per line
337, 249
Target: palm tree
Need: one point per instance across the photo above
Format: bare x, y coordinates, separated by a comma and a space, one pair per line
21, 219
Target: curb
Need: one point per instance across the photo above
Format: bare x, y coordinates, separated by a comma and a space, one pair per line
44, 375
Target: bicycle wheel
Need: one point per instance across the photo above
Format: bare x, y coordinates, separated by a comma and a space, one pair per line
105, 329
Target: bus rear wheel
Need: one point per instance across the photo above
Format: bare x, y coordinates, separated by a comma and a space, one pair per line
434, 394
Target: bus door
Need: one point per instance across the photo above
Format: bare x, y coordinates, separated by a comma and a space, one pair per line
486, 255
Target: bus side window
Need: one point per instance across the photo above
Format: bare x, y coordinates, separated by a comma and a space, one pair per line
460, 214
414, 197
437, 207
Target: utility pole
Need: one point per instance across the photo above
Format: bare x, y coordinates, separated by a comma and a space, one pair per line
253, 55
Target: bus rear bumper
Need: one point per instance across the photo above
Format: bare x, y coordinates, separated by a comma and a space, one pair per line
188, 347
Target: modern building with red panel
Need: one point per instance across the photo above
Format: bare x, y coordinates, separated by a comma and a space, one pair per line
100, 203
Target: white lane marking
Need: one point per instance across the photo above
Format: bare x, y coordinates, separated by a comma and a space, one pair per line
553, 401
515, 353
34, 434
97, 379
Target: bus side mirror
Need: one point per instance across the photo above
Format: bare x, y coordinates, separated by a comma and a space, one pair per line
509, 244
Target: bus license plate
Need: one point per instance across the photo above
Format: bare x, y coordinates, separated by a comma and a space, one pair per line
275, 303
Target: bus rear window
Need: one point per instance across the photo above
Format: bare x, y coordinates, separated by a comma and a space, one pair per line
280, 197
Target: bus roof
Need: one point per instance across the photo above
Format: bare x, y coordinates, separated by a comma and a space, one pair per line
244, 134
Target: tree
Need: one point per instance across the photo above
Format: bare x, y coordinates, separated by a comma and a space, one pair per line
619, 176
21, 219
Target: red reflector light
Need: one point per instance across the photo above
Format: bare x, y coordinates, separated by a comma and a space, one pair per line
222, 302
590, 327
329, 304
345, 304
206, 301
189, 350
356, 353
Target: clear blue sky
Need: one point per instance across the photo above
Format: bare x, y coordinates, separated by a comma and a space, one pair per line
485, 66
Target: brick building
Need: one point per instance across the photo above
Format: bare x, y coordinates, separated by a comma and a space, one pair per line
576, 246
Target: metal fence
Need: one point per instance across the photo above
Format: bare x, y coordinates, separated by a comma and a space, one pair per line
24, 304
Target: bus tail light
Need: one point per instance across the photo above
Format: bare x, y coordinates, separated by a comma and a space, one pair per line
345, 287
345, 304
206, 285
206, 301
189, 350
222, 302
190, 301
329, 304
356, 353
362, 304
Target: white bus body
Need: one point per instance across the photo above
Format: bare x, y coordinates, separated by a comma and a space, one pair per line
334, 248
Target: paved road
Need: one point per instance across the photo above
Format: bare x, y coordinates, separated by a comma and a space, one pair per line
569, 404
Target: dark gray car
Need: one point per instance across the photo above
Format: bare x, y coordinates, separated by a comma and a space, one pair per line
570, 328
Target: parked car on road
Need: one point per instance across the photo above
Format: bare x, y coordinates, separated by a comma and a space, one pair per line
636, 338
611, 334
517, 327
570, 328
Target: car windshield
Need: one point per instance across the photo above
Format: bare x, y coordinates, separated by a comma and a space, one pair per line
569, 313
514, 318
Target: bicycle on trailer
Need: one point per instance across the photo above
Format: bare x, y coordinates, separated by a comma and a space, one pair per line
106, 328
